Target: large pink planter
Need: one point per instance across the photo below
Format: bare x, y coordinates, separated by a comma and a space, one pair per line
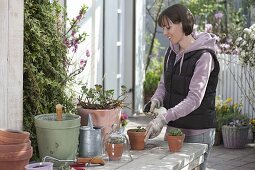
101, 118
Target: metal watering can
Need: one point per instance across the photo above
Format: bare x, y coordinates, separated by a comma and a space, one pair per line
90, 140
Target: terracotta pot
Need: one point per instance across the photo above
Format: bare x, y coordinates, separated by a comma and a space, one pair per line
8, 136
15, 147
114, 151
136, 139
175, 143
101, 118
15, 160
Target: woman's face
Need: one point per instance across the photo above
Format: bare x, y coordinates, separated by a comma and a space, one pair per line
172, 31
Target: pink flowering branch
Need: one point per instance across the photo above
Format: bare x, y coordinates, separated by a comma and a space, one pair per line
71, 40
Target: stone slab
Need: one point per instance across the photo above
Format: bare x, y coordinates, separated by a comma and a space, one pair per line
159, 157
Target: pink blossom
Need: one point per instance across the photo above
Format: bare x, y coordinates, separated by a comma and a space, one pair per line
83, 62
87, 53
78, 17
218, 16
208, 27
73, 33
124, 116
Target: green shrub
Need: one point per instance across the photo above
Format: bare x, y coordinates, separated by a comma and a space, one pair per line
44, 64
152, 76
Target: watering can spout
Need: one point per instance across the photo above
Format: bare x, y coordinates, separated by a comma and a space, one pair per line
90, 122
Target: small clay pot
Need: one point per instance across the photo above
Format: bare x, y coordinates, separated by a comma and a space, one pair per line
114, 151
15, 160
16, 156
175, 143
136, 139
8, 136
15, 147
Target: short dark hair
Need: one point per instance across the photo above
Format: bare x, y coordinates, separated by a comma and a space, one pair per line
178, 14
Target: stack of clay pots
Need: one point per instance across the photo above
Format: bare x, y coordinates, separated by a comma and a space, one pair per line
15, 149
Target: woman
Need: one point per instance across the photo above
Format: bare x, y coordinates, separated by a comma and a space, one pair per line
187, 88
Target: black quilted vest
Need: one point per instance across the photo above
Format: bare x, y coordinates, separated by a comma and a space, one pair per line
177, 88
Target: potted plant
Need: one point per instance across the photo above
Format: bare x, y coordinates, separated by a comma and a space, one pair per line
175, 139
114, 146
235, 133
136, 138
235, 127
104, 108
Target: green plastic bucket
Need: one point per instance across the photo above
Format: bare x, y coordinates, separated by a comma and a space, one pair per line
58, 139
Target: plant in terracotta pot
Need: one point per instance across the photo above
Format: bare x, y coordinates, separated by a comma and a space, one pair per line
104, 108
114, 146
175, 139
136, 138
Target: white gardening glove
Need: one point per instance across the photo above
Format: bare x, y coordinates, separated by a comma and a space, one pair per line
154, 104
149, 108
155, 126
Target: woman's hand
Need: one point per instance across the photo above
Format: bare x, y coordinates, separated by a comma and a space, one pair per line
150, 107
155, 126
